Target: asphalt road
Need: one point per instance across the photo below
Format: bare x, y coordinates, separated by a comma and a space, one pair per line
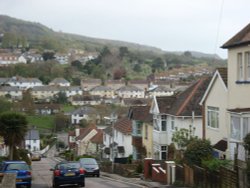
42, 177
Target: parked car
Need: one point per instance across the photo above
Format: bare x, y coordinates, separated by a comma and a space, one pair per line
90, 166
68, 173
36, 157
22, 170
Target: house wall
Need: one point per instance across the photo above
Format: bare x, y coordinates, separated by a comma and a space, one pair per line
35, 145
148, 141
217, 98
124, 140
237, 91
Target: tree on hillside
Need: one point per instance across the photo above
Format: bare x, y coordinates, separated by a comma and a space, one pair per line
119, 73
48, 55
13, 129
158, 64
28, 103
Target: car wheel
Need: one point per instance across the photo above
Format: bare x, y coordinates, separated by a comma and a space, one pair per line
98, 175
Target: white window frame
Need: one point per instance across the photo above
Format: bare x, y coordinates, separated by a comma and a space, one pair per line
163, 123
172, 123
240, 126
212, 117
247, 65
240, 75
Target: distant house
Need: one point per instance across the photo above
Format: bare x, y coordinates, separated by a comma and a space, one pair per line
80, 100
130, 92
44, 92
3, 81
15, 93
11, 58
85, 112
159, 91
47, 109
62, 58
24, 83
59, 82
88, 84
102, 91
32, 140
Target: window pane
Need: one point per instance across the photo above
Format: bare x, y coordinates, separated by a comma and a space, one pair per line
240, 66
163, 126
235, 127
246, 126
213, 117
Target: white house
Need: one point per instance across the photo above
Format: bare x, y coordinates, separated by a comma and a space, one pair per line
130, 92
14, 92
175, 112
238, 103
24, 83
32, 140
214, 103
85, 112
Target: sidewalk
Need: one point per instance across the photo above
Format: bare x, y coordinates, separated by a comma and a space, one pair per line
136, 181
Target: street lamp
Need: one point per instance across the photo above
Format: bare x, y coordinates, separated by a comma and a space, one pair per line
112, 119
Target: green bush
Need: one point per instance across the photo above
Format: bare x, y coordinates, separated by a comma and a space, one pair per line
214, 164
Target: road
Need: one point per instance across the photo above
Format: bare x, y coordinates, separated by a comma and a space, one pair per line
42, 177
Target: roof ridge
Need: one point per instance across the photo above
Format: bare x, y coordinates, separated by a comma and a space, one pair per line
190, 96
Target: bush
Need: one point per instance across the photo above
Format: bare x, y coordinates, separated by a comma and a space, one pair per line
214, 164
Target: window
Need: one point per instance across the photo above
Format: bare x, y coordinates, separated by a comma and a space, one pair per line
240, 127
213, 117
155, 123
172, 123
146, 132
240, 66
247, 65
163, 123
246, 126
163, 152
235, 127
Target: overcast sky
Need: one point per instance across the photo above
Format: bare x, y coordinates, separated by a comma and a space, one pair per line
172, 25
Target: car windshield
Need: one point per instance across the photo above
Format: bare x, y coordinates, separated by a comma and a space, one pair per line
68, 166
18, 166
88, 161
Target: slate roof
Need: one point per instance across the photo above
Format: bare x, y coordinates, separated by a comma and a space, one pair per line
240, 39
9, 88
101, 88
57, 81
124, 125
140, 113
23, 80
98, 138
136, 101
86, 131
32, 135
184, 103
129, 88
223, 74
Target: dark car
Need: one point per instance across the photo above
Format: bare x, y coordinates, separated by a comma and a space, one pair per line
68, 173
22, 170
90, 166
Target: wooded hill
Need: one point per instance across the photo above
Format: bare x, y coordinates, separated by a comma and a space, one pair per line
129, 60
